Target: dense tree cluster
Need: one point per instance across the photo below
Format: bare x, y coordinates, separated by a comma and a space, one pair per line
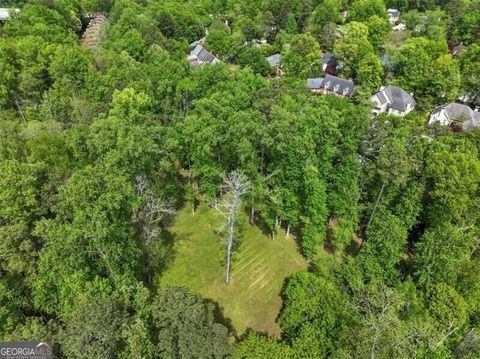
98, 146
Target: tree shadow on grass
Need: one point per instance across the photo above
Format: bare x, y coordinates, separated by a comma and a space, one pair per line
159, 255
220, 318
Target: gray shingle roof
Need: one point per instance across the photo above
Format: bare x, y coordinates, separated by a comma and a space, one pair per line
274, 60
332, 84
397, 98
201, 55
393, 12
315, 83
329, 59
456, 112
196, 43
457, 50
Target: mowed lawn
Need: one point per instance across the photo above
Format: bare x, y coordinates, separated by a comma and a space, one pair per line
260, 266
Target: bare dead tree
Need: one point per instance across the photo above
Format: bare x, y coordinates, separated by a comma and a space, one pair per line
235, 186
445, 335
469, 345
152, 210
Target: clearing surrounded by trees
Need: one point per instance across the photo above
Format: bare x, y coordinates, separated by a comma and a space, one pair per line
260, 266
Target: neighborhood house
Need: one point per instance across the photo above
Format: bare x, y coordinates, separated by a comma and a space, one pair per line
393, 16
458, 116
275, 62
200, 56
331, 85
5, 13
94, 31
392, 100
329, 63
457, 50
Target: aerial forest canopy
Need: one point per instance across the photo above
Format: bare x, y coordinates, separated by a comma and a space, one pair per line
347, 128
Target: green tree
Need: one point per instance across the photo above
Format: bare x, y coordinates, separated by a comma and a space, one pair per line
314, 228
378, 30
447, 307
469, 63
370, 72
352, 46
254, 345
314, 308
302, 56
185, 326
253, 57
94, 331
219, 41
364, 9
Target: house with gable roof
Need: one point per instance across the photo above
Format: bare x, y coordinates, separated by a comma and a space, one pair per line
200, 56
393, 15
392, 100
331, 85
459, 117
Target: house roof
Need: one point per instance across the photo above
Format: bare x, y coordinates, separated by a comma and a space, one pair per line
329, 59
200, 55
458, 112
397, 98
456, 50
93, 33
393, 12
5, 13
274, 60
332, 84
315, 83
198, 42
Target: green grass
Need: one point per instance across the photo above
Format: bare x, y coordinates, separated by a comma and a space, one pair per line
259, 268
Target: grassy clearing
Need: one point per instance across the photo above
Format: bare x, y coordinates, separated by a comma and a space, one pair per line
260, 266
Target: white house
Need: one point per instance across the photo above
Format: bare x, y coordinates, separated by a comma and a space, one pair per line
392, 100
200, 56
393, 16
399, 27
5, 13
455, 115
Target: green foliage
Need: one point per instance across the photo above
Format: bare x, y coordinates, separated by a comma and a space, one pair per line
314, 229
469, 63
301, 57
427, 71
369, 72
384, 248
185, 326
93, 331
378, 29
364, 9
313, 304
385, 209
352, 46
446, 306
253, 57
255, 345
219, 41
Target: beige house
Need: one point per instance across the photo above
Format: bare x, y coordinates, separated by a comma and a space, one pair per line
392, 100
459, 117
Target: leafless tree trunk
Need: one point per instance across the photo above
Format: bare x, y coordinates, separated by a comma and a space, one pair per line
19, 106
449, 331
375, 207
288, 230
152, 210
235, 186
